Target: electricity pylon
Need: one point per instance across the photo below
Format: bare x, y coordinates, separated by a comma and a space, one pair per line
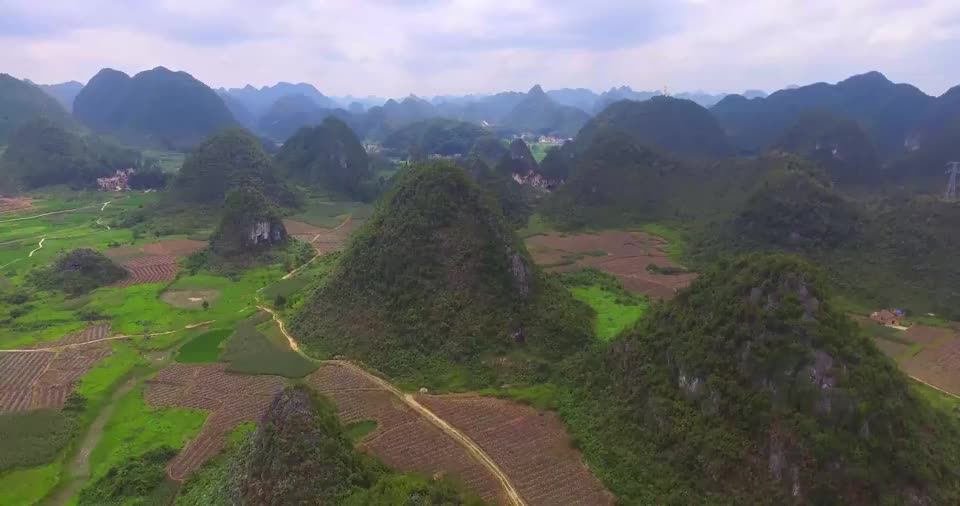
954, 169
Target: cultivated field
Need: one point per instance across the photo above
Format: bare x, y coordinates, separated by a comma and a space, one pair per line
44, 378
13, 204
324, 240
531, 447
232, 399
149, 269
626, 255
930, 354
403, 439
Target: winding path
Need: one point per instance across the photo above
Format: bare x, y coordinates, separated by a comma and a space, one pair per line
38, 248
462, 439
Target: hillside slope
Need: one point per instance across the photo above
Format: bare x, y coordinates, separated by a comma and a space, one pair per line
671, 125
751, 388
155, 107
22, 102
436, 279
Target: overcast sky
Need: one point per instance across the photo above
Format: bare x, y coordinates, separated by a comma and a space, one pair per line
429, 47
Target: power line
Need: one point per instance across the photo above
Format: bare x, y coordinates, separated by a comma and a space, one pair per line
953, 171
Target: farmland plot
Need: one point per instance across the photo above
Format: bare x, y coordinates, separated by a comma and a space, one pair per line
44, 378
231, 399
530, 446
626, 255
403, 439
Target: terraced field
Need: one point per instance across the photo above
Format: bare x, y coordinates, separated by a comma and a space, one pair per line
35, 378
231, 399
530, 446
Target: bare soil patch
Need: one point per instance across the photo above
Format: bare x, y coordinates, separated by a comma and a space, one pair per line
624, 254
174, 247
531, 447
14, 204
44, 378
231, 399
189, 299
303, 231
403, 439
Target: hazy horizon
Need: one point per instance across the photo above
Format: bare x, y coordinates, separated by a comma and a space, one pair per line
392, 48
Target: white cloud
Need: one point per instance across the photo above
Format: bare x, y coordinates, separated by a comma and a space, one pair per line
394, 47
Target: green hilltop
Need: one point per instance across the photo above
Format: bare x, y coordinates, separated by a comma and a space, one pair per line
224, 161
329, 156
435, 279
22, 102
752, 388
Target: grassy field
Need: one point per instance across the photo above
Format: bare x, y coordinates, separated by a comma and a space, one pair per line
262, 349
612, 315
539, 150
616, 308
321, 211
676, 247
28, 486
203, 349
358, 430
136, 428
169, 161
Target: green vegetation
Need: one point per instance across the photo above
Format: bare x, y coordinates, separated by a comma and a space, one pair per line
249, 351
612, 315
134, 480
249, 225
840, 146
436, 136
671, 125
135, 429
78, 272
44, 153
328, 156
616, 309
356, 431
204, 348
227, 160
434, 279
538, 113
748, 385
28, 486
273, 467
22, 102
158, 108
35, 438
489, 149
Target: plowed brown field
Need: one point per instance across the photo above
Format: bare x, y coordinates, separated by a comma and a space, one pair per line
531, 447
324, 240
626, 255
149, 269
232, 399
930, 354
44, 378
12, 204
403, 439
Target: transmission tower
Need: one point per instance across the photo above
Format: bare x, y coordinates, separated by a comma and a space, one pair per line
954, 169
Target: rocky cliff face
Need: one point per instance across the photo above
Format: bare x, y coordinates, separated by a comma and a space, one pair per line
250, 224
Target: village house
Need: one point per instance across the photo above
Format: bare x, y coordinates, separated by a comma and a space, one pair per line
119, 181
892, 317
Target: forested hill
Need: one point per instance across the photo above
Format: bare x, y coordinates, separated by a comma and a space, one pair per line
442, 284
751, 387
667, 124
156, 107
22, 102
889, 111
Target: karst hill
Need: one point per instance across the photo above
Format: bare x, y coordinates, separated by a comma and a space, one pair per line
435, 275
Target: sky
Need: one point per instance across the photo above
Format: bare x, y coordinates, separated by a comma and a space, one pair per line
435, 47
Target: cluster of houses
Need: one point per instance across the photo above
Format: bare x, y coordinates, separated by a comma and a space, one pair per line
119, 181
